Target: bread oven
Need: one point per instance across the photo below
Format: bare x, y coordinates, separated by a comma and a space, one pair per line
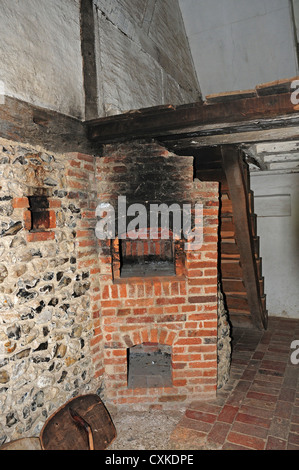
158, 292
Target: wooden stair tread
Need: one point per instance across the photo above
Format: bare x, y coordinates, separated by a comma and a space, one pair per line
239, 242
240, 320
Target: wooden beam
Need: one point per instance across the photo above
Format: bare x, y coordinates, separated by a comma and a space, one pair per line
236, 136
87, 28
198, 119
232, 164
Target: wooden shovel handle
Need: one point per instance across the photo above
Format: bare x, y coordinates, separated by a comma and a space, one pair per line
81, 421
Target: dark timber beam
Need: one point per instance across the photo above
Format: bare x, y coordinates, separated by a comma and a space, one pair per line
89, 58
232, 164
245, 117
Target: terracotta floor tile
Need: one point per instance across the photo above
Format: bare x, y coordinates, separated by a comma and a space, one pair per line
287, 394
249, 374
292, 447
290, 382
263, 386
205, 406
236, 398
293, 438
218, 433
228, 414
230, 446
258, 355
262, 396
255, 420
201, 416
250, 430
255, 411
295, 419
270, 375
294, 428
283, 409
273, 365
243, 386
279, 349
280, 427
264, 405
259, 406
195, 424
246, 441
273, 443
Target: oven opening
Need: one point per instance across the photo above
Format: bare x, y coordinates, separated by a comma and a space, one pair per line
149, 366
142, 258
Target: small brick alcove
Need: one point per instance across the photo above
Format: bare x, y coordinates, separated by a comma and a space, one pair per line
173, 310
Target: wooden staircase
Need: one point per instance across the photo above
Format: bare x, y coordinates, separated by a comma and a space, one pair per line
231, 266
236, 288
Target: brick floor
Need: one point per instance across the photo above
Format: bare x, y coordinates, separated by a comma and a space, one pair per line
258, 408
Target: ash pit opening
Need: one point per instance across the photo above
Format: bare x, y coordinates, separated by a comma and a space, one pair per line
149, 366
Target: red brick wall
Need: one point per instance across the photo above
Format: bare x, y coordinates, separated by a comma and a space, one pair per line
82, 184
177, 311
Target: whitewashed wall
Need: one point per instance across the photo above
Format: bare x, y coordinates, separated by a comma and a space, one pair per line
276, 191
238, 44
40, 53
143, 56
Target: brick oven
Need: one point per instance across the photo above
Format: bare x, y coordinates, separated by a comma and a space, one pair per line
158, 296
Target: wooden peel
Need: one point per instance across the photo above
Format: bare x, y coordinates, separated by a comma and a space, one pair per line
81, 421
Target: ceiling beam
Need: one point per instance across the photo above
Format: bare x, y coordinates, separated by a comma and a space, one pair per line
183, 145
204, 123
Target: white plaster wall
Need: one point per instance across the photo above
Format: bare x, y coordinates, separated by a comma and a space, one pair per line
40, 53
278, 228
238, 44
143, 56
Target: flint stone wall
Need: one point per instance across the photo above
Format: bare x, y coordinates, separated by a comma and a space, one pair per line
224, 349
46, 284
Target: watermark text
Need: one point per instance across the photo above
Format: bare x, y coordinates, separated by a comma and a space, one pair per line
136, 222
2, 92
295, 354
